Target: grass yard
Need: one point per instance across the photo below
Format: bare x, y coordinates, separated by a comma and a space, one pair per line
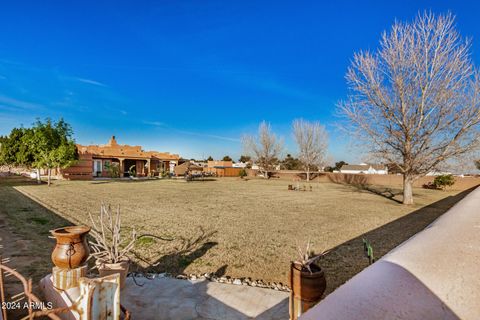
230, 226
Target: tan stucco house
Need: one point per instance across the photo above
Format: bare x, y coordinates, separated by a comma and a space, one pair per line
94, 161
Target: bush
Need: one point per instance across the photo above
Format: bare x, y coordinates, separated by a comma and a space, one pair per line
113, 170
242, 173
443, 181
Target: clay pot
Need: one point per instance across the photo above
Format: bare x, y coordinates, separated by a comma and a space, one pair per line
307, 288
71, 250
106, 269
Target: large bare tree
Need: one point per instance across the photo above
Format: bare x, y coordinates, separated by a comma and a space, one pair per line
415, 100
312, 142
264, 149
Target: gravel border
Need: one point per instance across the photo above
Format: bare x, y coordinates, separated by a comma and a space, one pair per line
213, 278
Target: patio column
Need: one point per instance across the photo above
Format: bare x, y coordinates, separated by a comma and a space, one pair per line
121, 167
148, 167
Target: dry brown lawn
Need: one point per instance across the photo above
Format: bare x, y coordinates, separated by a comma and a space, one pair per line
234, 227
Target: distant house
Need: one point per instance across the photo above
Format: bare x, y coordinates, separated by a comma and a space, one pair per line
364, 168
222, 168
95, 161
188, 167
437, 173
240, 165
257, 167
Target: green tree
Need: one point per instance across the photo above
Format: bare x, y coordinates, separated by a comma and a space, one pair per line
443, 181
291, 163
13, 149
245, 159
210, 158
339, 165
227, 158
242, 173
52, 144
477, 164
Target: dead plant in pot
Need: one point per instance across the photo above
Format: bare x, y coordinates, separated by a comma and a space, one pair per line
109, 248
307, 281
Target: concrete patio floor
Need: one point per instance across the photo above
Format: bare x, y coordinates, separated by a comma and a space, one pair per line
168, 298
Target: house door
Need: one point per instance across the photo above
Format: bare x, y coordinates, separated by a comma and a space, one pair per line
97, 168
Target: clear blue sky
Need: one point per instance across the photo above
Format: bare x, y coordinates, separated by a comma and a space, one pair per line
191, 76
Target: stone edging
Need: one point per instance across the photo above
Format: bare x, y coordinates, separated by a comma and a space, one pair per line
213, 278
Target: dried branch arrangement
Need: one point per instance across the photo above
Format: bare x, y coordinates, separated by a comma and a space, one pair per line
307, 257
108, 245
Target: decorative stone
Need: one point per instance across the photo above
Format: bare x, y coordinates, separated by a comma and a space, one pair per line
237, 281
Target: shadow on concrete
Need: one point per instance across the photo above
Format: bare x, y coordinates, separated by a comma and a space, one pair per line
384, 296
344, 261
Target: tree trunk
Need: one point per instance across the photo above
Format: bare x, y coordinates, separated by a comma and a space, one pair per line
39, 180
308, 174
49, 176
407, 189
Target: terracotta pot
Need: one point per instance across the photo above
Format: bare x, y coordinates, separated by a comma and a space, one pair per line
71, 250
121, 268
307, 288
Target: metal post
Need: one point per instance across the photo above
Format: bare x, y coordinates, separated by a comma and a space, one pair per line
2, 292
29, 289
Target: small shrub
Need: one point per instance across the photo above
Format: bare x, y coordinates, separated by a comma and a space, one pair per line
242, 173
443, 181
113, 170
307, 257
368, 249
108, 246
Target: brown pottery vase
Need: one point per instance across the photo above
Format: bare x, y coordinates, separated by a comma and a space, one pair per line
71, 250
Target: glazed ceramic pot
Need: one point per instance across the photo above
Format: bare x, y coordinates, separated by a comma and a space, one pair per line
71, 250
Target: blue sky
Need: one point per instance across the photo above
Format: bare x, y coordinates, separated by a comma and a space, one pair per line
191, 77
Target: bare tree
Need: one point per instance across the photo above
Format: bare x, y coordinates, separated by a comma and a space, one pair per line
312, 141
265, 149
415, 101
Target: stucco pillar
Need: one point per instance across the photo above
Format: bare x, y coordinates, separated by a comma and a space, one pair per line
121, 168
148, 167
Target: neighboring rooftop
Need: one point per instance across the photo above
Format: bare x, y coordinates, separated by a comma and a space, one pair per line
363, 166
